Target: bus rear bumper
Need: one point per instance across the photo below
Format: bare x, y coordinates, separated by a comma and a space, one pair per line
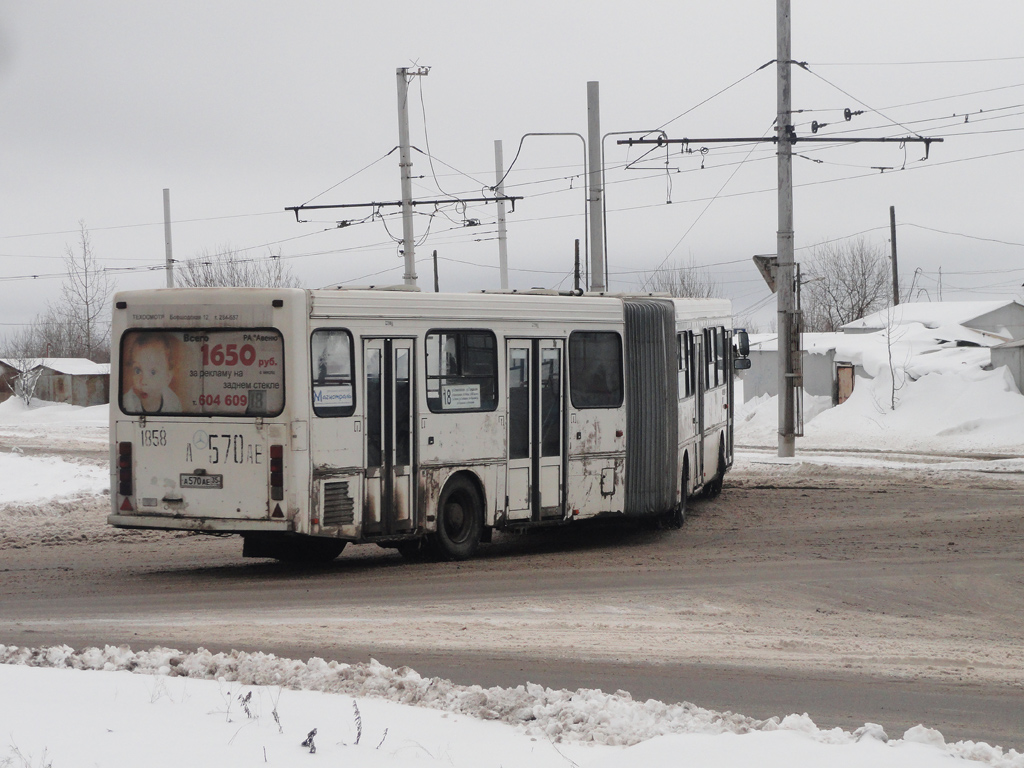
214, 525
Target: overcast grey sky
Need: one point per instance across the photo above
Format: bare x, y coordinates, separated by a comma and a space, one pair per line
244, 108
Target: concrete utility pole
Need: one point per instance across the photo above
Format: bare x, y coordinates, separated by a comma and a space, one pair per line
167, 238
499, 189
597, 271
405, 164
789, 335
895, 271
781, 271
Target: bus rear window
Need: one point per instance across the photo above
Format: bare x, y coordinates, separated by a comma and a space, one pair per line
202, 372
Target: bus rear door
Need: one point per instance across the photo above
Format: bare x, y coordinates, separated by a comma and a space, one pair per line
536, 439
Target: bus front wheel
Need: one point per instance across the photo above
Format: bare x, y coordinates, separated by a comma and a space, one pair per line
459, 520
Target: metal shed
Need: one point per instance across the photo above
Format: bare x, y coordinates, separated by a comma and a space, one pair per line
1011, 354
74, 380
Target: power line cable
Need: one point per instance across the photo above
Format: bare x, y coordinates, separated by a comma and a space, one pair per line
803, 66
715, 95
352, 176
912, 63
961, 234
701, 214
135, 226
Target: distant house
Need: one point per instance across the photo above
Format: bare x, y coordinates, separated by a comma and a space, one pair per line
73, 380
823, 372
1003, 320
8, 373
819, 365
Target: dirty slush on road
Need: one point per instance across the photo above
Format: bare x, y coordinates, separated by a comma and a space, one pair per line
908, 570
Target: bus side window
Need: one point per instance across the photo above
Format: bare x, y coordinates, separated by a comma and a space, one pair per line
686, 366
709, 360
595, 369
683, 367
462, 371
720, 356
331, 359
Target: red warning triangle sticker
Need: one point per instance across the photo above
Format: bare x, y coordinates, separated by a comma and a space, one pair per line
277, 511
126, 505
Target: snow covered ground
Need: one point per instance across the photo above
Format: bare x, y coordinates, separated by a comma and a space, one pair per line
115, 708
118, 707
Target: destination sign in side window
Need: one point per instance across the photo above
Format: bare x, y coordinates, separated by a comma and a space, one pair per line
223, 372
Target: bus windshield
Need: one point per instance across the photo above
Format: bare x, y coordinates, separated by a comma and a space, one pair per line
202, 372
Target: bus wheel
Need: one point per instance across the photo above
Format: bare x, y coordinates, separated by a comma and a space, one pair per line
677, 516
459, 521
414, 551
714, 487
310, 550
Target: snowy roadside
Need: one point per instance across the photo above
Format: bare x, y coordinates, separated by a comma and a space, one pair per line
55, 457
117, 708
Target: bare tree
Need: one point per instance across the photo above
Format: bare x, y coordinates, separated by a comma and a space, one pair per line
80, 324
688, 281
226, 267
20, 350
844, 281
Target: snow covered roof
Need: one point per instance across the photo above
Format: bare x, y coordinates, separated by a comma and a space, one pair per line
816, 343
75, 366
931, 314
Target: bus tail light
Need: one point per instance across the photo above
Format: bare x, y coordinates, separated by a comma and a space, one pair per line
124, 469
277, 472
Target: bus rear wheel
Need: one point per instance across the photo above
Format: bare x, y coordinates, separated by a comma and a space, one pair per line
459, 521
293, 549
714, 486
677, 516
301, 550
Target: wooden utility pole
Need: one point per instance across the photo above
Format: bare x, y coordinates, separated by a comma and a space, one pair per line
895, 271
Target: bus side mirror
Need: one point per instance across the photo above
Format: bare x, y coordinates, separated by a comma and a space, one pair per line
742, 343
741, 363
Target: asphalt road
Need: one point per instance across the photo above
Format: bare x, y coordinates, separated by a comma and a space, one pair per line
887, 597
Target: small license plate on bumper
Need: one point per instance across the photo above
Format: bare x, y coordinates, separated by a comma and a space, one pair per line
202, 481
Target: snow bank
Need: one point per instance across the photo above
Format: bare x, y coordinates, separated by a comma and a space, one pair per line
924, 393
15, 411
36, 478
655, 733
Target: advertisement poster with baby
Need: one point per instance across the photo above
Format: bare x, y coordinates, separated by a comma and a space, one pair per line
236, 372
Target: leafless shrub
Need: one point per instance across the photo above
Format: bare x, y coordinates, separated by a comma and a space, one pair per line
226, 267
842, 282
686, 281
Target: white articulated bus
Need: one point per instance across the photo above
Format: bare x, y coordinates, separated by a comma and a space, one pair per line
303, 420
